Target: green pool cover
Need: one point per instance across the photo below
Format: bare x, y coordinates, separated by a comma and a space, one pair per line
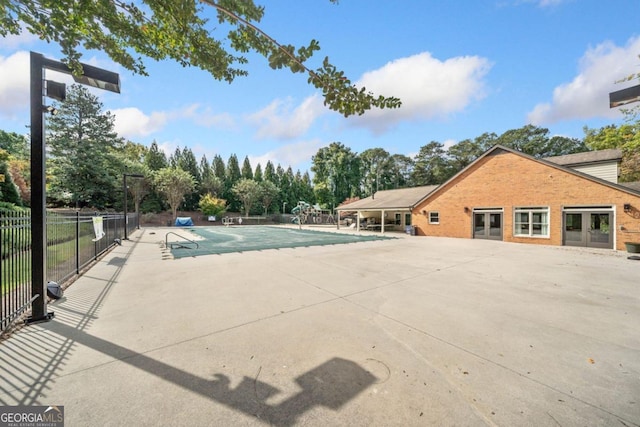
221, 240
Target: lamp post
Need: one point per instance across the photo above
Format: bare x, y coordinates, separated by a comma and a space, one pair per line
92, 76
124, 206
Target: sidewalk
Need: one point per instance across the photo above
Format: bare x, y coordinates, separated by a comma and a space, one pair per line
409, 331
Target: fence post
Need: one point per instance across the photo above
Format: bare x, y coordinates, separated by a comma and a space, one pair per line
77, 242
95, 244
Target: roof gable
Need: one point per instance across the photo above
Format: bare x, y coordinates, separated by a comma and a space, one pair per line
499, 149
401, 198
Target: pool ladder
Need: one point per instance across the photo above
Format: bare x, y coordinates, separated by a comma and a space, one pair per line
179, 245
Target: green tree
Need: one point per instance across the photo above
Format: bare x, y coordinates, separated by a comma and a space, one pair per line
270, 173
8, 190
431, 166
19, 170
138, 187
174, 184
155, 159
306, 188
247, 170
625, 137
279, 175
16, 145
17, 166
376, 172
210, 183
175, 158
187, 162
336, 172
400, 167
463, 153
204, 168
258, 174
178, 30
134, 151
212, 206
248, 192
219, 169
535, 141
85, 169
268, 193
528, 139
232, 176
287, 189
233, 173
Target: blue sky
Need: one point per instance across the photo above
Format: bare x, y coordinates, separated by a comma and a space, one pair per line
461, 68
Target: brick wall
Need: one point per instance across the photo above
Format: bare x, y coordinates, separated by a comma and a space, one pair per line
507, 180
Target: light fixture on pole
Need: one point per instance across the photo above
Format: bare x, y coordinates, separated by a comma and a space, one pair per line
92, 76
124, 206
624, 96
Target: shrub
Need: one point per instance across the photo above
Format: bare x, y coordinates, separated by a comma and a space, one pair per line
212, 206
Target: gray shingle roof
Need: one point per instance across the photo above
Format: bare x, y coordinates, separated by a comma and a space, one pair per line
391, 199
635, 185
586, 158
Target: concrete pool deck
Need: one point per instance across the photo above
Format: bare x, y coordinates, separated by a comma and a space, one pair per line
408, 331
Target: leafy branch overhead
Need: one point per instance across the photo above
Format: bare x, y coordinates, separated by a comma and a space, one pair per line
127, 31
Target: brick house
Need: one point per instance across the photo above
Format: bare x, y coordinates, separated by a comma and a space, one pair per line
507, 195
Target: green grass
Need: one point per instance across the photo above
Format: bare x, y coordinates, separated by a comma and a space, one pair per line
16, 271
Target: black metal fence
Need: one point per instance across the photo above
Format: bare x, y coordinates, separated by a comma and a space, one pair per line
72, 244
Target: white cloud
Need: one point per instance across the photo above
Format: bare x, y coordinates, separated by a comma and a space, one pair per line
208, 118
14, 83
293, 155
587, 95
428, 88
449, 143
540, 3
15, 41
131, 122
550, 3
279, 120
168, 147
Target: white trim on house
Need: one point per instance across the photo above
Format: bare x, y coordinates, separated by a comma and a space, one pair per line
545, 226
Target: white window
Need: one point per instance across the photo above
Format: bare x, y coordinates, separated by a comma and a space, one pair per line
434, 217
531, 222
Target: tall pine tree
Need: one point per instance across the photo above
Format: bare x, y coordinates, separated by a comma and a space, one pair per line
84, 168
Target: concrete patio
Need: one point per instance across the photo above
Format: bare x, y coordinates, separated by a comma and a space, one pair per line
409, 331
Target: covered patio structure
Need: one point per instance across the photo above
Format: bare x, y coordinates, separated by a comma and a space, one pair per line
387, 210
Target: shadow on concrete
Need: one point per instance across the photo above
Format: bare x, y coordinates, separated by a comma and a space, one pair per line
32, 357
31, 360
331, 385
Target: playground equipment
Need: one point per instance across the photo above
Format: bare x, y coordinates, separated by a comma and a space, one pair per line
305, 213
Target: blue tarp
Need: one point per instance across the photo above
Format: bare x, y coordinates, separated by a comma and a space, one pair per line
184, 221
